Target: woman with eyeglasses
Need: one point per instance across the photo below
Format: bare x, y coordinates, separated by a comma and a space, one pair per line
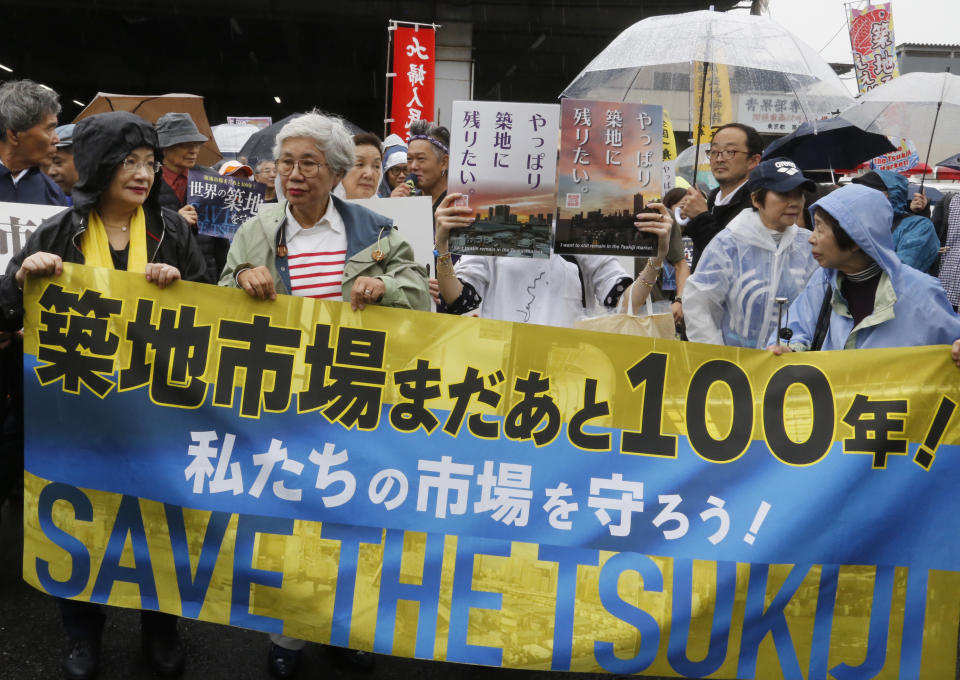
115, 223
315, 245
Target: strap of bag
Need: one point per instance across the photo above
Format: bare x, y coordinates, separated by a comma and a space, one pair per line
583, 288
823, 320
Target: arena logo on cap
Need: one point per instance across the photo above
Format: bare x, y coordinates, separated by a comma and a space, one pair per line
788, 167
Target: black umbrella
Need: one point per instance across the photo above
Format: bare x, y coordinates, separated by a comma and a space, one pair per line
952, 162
836, 144
260, 144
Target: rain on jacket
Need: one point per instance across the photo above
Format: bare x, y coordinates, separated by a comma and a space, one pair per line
255, 245
915, 238
729, 299
910, 307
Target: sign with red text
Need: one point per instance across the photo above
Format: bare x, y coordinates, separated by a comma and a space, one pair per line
414, 60
871, 37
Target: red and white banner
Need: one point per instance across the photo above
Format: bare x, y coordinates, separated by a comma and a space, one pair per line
871, 36
414, 60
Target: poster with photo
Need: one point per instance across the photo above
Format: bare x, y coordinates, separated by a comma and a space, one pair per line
611, 167
503, 159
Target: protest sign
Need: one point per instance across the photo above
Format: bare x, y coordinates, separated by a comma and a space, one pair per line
871, 37
503, 159
223, 202
18, 221
413, 217
413, 77
483, 492
256, 121
611, 167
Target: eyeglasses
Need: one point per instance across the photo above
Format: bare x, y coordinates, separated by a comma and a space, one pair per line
724, 154
308, 168
132, 165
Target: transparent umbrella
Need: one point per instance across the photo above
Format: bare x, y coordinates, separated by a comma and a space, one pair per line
921, 107
684, 166
753, 61
231, 137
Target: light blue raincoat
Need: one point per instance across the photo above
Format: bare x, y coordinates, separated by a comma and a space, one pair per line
911, 308
730, 299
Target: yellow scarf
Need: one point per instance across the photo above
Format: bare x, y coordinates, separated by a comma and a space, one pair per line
96, 245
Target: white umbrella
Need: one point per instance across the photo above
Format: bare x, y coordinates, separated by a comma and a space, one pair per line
231, 137
655, 59
921, 107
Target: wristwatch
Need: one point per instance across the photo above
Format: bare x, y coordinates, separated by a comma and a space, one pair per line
678, 299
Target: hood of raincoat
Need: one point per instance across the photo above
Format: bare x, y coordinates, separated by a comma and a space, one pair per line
100, 143
897, 190
390, 144
866, 215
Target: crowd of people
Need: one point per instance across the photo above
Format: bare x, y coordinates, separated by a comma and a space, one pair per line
855, 266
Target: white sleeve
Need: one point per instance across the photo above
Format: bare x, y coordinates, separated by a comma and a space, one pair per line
705, 293
601, 273
477, 270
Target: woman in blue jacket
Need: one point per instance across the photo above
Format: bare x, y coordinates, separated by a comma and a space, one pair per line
864, 296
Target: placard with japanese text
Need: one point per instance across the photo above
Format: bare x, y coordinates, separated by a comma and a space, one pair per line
503, 160
483, 492
413, 82
611, 167
223, 202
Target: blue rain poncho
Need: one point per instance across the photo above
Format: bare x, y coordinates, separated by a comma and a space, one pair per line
915, 238
910, 307
730, 299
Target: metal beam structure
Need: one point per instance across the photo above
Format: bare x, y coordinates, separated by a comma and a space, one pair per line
240, 54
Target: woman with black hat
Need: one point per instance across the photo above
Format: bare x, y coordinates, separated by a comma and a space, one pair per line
116, 223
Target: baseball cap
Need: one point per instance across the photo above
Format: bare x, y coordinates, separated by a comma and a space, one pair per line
65, 135
778, 174
236, 169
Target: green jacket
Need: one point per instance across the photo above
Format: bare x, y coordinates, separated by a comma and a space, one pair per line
255, 245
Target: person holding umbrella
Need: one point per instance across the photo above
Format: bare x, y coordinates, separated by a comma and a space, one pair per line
762, 255
734, 152
915, 238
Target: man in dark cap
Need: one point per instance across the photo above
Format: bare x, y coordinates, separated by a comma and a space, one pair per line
62, 170
28, 122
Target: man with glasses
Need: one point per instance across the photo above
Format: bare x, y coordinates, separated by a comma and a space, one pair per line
734, 152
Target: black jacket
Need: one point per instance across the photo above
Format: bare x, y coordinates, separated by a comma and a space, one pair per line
101, 143
702, 228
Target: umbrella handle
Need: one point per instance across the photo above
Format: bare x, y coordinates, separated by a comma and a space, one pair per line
933, 130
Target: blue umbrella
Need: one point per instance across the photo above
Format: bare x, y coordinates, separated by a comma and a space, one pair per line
933, 195
834, 143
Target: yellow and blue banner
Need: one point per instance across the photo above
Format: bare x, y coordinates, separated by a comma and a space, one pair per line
492, 493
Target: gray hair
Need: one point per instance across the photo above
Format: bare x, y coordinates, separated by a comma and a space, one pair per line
259, 166
23, 104
434, 131
327, 132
